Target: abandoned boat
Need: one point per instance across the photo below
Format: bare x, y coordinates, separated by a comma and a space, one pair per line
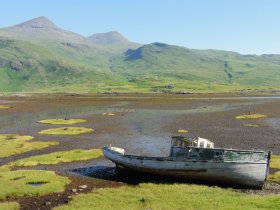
197, 159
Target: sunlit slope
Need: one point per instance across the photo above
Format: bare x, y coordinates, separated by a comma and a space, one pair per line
27, 66
160, 64
38, 56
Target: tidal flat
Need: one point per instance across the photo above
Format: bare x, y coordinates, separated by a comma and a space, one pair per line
139, 123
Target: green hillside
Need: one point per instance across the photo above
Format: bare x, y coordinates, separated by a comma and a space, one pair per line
38, 56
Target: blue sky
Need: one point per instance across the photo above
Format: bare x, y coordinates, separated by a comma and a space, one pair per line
244, 26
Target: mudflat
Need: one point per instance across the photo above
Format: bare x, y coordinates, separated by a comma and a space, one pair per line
141, 124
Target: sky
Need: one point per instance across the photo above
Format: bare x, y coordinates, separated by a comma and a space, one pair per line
244, 26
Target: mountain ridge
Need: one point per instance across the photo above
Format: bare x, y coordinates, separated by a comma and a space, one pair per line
39, 56
39, 22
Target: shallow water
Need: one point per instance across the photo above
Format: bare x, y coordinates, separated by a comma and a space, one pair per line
273, 122
36, 184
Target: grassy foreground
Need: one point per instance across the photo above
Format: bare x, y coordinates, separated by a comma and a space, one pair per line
66, 131
30, 182
9, 206
11, 144
62, 121
58, 157
176, 196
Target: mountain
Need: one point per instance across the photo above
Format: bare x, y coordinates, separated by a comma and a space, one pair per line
109, 38
38, 56
39, 28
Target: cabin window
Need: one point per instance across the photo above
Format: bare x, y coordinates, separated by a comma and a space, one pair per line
208, 145
201, 144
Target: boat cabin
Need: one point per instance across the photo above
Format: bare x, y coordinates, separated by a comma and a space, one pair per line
182, 146
181, 141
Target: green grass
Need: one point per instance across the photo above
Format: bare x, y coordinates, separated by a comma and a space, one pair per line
175, 196
18, 183
182, 131
66, 131
274, 177
275, 163
46, 65
9, 206
251, 116
58, 157
11, 144
62, 121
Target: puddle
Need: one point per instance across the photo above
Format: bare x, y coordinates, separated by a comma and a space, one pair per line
36, 184
273, 122
120, 175
96, 171
17, 178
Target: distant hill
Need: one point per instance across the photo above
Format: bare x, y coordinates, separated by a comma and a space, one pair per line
38, 56
109, 38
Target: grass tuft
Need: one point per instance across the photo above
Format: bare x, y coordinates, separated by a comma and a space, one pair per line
182, 131
15, 183
251, 116
9, 206
4, 107
62, 121
11, 144
274, 177
66, 131
58, 157
275, 163
251, 125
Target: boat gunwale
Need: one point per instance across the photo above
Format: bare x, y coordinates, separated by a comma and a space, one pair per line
168, 158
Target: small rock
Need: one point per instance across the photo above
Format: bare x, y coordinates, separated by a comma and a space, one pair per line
83, 186
47, 203
80, 189
69, 197
74, 190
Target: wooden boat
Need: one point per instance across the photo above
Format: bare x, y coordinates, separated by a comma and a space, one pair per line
197, 159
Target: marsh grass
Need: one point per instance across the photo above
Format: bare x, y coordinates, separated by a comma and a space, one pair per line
58, 157
62, 121
182, 131
66, 131
275, 163
4, 107
9, 206
16, 183
175, 196
11, 144
251, 116
251, 125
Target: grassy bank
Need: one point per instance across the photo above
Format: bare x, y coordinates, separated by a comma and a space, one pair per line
176, 196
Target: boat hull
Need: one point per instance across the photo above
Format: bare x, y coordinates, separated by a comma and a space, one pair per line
250, 174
